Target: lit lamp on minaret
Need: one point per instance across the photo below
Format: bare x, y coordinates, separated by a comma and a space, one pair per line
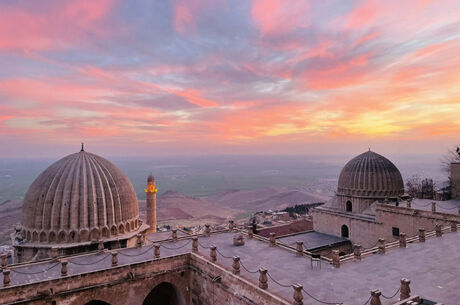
151, 199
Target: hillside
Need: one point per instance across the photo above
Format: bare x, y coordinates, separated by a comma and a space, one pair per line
264, 199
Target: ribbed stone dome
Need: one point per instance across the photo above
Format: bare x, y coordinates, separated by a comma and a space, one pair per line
78, 198
370, 175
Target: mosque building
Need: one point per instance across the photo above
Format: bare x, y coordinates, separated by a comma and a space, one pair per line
81, 242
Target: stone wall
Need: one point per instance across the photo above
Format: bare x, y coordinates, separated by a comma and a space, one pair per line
366, 232
196, 281
361, 230
228, 289
455, 176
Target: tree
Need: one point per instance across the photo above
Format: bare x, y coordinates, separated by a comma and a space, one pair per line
417, 187
414, 186
452, 155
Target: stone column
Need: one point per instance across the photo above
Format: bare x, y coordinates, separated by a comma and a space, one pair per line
213, 254
156, 252
402, 240
231, 224
375, 297
54, 254
63, 268
174, 235
409, 203
272, 239
4, 258
236, 265
138, 240
250, 233
263, 280
207, 230
114, 258
453, 226
299, 248
405, 289
421, 235
433, 207
6, 278
357, 252
381, 246
438, 229
335, 258
195, 244
298, 296
100, 247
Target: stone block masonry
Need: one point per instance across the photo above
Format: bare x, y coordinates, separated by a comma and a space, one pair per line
455, 179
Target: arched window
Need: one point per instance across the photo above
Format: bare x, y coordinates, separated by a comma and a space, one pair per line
349, 206
345, 232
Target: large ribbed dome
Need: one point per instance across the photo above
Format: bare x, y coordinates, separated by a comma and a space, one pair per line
370, 175
78, 198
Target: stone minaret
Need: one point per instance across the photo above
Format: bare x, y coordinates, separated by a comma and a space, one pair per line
151, 200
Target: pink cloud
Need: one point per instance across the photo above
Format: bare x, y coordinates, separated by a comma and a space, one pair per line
274, 17
60, 27
363, 15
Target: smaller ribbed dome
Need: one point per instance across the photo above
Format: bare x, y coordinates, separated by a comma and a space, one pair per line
370, 175
151, 178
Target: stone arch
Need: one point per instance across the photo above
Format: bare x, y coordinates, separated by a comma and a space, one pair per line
43, 237
84, 235
52, 237
73, 236
29, 236
349, 206
128, 228
62, 237
121, 229
97, 302
137, 223
114, 230
164, 293
345, 231
105, 232
35, 236
94, 234
133, 227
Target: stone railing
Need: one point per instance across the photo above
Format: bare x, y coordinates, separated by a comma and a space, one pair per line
381, 246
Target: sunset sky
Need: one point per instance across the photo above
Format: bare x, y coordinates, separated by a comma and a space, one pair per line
229, 76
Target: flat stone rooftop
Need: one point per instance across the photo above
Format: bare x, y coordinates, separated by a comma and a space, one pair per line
432, 267
311, 240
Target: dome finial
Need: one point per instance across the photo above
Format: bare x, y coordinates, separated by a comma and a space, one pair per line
82, 146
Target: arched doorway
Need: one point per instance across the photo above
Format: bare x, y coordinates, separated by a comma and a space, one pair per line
345, 232
164, 294
97, 302
349, 206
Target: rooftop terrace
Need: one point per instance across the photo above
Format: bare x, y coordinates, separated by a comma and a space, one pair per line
431, 266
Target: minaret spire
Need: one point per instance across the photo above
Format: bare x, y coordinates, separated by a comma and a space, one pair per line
82, 146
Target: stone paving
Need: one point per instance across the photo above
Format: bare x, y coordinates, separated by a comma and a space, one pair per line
432, 267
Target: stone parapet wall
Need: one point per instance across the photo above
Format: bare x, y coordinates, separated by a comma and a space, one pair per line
229, 289
197, 281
